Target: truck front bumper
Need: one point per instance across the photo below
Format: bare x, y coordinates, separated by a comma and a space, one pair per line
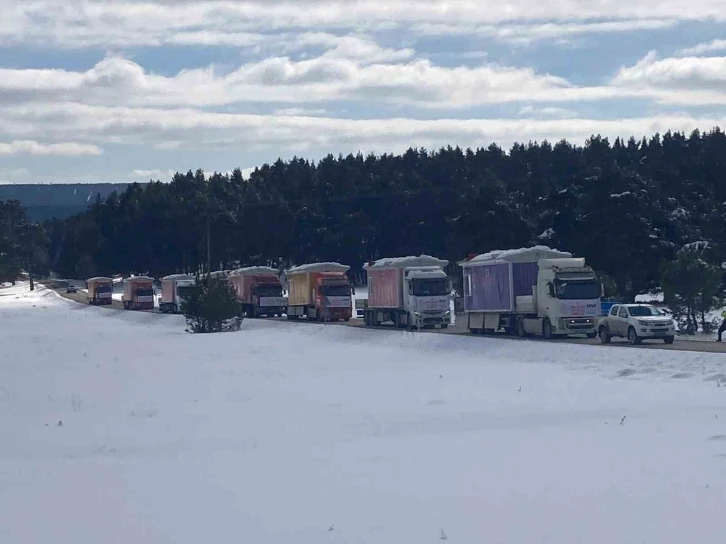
576, 325
431, 318
655, 331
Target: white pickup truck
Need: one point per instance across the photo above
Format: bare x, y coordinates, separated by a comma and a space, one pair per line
636, 322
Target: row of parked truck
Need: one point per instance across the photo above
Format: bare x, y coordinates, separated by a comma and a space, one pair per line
529, 291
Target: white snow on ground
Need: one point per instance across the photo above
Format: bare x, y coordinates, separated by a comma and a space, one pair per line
305, 433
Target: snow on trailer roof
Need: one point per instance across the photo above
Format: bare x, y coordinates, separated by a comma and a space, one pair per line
178, 277
405, 262
318, 267
520, 255
99, 279
139, 278
255, 271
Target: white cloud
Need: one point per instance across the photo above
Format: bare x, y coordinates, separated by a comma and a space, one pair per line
155, 174
121, 23
195, 130
547, 111
524, 33
338, 74
296, 112
684, 80
31, 147
710, 47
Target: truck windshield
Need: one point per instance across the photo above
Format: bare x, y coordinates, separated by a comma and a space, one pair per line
644, 311
268, 291
336, 290
430, 288
183, 290
144, 292
104, 288
577, 290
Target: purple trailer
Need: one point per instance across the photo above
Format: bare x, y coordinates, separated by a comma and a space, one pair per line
502, 288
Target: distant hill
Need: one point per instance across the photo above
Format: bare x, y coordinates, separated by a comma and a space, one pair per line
57, 200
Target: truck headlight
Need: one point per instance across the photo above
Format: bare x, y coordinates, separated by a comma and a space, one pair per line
417, 314
448, 313
643, 323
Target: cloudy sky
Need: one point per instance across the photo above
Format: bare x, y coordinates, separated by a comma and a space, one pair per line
125, 90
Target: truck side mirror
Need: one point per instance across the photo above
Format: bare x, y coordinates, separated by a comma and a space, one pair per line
602, 290
551, 288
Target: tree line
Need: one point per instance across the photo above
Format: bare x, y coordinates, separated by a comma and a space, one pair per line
628, 207
23, 244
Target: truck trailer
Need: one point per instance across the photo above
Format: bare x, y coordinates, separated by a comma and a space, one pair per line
100, 290
531, 291
138, 293
410, 292
172, 292
319, 291
259, 291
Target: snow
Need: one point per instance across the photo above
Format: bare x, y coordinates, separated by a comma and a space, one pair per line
403, 262
318, 267
537, 252
650, 298
255, 271
621, 195
547, 234
307, 433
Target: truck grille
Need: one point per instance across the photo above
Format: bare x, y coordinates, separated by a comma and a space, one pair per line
579, 323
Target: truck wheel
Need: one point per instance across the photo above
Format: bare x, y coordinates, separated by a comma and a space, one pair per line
633, 337
605, 337
591, 335
444, 326
669, 339
547, 329
521, 332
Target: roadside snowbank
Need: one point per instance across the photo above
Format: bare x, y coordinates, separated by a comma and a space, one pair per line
311, 433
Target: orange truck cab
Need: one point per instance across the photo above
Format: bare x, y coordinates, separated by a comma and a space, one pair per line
259, 291
319, 291
138, 293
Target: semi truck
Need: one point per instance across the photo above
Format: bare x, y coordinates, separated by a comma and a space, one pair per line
138, 293
172, 292
531, 291
319, 291
259, 291
100, 290
409, 292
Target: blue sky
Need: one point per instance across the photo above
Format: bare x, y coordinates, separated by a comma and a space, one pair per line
96, 91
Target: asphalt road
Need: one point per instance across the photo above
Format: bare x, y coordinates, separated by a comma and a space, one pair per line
681, 344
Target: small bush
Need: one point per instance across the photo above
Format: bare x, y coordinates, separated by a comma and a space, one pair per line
211, 306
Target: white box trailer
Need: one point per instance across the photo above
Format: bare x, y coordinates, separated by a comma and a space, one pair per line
529, 291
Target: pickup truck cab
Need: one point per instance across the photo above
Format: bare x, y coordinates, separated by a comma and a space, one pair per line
636, 322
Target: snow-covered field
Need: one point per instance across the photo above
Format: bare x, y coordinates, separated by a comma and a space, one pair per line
308, 434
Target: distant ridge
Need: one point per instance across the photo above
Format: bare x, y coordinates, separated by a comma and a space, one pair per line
58, 200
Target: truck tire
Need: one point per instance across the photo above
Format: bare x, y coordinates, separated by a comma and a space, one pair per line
669, 339
521, 331
633, 337
591, 335
547, 329
605, 336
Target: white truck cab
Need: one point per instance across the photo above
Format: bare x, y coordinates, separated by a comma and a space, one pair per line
568, 297
427, 296
636, 322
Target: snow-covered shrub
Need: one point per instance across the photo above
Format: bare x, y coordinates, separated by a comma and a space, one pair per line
211, 306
